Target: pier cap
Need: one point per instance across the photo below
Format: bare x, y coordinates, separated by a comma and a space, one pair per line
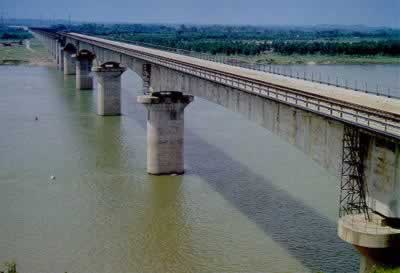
84, 54
168, 97
373, 233
109, 67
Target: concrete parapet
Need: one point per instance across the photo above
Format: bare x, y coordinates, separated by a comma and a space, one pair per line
165, 127
378, 243
109, 88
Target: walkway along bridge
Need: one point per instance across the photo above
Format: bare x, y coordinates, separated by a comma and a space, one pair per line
354, 135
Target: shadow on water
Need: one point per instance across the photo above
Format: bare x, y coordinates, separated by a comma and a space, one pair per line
300, 229
306, 234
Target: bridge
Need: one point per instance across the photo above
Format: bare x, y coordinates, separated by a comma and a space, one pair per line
354, 135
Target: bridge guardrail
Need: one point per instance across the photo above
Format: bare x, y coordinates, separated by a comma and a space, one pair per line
364, 117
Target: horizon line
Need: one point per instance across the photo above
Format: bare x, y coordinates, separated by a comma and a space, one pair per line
203, 24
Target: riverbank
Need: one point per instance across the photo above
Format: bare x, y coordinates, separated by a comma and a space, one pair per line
32, 52
275, 58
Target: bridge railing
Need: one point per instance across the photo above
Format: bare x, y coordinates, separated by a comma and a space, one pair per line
361, 86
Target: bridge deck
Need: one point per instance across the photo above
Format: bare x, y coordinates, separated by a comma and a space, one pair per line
373, 102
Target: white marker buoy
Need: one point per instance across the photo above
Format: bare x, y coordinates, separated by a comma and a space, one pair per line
52, 177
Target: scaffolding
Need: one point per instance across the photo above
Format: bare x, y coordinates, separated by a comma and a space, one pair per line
353, 189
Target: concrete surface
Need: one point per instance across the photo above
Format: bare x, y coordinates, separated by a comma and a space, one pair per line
165, 126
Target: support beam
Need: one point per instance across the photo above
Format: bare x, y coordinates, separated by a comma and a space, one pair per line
109, 89
165, 126
84, 80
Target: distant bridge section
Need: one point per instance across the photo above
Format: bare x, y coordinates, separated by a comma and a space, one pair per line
355, 136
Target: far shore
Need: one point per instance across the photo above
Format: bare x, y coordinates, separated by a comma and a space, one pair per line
312, 59
32, 52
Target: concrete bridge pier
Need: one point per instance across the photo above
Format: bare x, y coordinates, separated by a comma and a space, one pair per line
369, 210
53, 48
146, 77
376, 239
57, 53
61, 58
84, 80
165, 126
69, 63
109, 88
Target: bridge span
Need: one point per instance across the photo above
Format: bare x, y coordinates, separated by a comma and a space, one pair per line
355, 136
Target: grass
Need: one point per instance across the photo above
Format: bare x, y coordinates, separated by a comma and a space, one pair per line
382, 270
20, 54
275, 58
10, 267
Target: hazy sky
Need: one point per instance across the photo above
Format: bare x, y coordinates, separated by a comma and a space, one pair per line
260, 12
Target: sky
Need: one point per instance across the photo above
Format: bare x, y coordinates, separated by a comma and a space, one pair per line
253, 12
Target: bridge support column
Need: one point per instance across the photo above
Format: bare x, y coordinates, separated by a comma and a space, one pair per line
69, 64
84, 80
369, 216
61, 58
146, 76
57, 51
165, 126
377, 242
54, 49
109, 89
51, 47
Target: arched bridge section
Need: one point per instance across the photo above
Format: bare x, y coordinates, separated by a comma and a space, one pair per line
355, 136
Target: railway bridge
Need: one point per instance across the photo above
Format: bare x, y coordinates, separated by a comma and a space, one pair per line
354, 135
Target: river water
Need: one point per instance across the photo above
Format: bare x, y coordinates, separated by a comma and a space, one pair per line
383, 79
248, 202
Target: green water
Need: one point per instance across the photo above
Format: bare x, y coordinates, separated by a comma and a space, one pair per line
248, 202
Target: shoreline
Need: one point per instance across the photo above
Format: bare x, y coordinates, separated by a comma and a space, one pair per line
27, 63
33, 53
316, 59
30, 53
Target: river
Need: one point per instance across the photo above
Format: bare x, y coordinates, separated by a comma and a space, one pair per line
249, 202
383, 79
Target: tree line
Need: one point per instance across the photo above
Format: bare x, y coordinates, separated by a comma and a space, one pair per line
12, 33
239, 32
389, 47
227, 47
253, 40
